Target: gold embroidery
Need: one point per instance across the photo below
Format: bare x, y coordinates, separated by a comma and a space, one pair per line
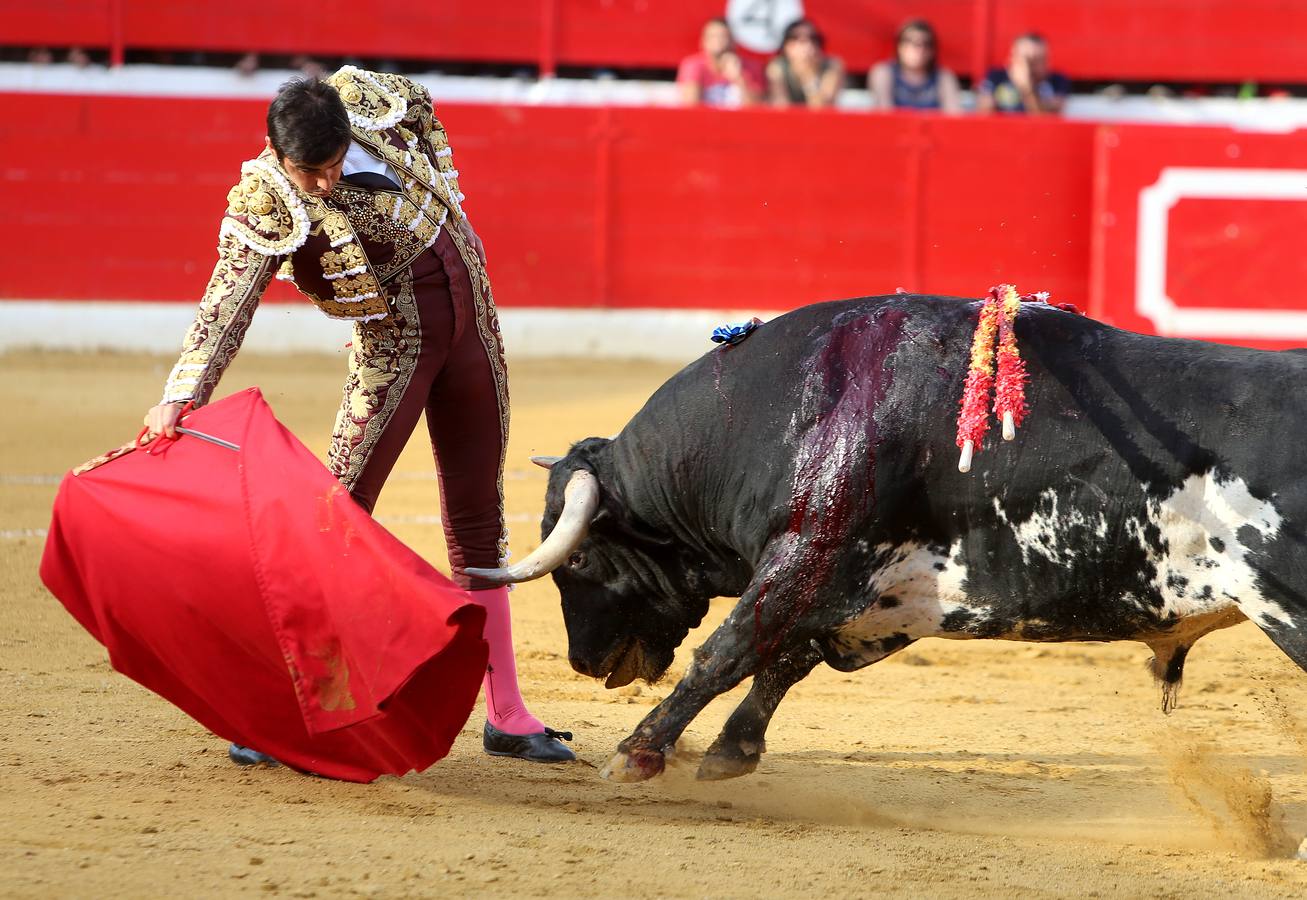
265, 212
381, 364
356, 287
420, 176
260, 203
337, 228
426, 231
351, 94
338, 262
371, 214
332, 689
236, 201
224, 314
371, 99
104, 458
268, 220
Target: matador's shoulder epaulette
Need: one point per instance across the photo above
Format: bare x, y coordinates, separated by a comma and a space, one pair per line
374, 101
264, 211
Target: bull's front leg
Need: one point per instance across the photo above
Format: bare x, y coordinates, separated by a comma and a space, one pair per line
742, 741
728, 657
777, 615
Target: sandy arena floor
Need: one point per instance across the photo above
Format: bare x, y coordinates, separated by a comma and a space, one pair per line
950, 770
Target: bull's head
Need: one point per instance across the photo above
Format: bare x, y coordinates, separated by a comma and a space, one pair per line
630, 594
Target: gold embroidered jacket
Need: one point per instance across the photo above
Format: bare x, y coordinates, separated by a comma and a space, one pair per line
340, 251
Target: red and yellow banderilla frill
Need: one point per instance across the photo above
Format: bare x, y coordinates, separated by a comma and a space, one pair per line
994, 335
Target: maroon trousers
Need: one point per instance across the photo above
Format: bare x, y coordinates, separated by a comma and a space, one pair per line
431, 355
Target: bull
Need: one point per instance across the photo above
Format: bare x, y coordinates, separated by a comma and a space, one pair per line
1156, 492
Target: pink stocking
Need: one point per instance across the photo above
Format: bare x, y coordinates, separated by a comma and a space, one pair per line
504, 705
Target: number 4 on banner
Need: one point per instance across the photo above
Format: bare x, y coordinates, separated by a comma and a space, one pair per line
757, 24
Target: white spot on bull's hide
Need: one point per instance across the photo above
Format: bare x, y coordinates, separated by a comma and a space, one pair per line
1046, 532
1193, 576
926, 585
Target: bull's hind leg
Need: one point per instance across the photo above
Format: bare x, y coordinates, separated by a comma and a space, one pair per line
743, 738
1287, 628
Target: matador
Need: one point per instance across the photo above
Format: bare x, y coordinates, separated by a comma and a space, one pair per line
356, 202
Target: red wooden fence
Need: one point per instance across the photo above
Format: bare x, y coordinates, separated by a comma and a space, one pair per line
120, 197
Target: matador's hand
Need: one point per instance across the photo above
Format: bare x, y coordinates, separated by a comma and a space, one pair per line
473, 239
162, 419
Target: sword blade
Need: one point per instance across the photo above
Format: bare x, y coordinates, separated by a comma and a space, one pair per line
208, 437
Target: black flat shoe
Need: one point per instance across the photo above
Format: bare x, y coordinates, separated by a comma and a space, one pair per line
244, 756
543, 746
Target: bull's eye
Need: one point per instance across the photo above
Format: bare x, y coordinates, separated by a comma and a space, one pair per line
576, 560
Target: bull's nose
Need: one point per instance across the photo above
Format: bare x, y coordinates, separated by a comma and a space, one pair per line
585, 667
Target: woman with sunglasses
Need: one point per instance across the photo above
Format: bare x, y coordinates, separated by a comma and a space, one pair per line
914, 78
802, 74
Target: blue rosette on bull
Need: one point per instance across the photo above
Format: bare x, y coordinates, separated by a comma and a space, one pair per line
730, 335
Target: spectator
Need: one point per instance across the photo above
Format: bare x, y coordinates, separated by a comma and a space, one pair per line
247, 65
40, 56
79, 58
308, 67
1026, 85
717, 75
914, 79
802, 74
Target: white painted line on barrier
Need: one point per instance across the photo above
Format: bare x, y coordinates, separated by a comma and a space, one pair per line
16, 534
509, 475
436, 520
661, 335
1152, 299
532, 474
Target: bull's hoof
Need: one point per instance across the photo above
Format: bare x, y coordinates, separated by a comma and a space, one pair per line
729, 759
721, 766
633, 765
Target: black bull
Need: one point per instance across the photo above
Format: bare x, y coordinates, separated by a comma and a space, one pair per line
1157, 491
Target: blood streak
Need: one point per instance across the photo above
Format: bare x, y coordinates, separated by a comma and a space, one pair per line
717, 381
834, 484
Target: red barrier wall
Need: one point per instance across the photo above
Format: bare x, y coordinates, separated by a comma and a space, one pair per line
59, 23
1199, 233
1181, 230
120, 198
1141, 40
1177, 40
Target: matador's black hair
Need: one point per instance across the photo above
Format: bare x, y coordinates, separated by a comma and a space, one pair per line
307, 122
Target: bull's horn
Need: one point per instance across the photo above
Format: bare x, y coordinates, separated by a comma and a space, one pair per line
580, 498
546, 462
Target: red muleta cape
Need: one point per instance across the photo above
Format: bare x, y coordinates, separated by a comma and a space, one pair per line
249, 589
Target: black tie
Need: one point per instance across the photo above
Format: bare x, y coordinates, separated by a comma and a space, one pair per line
371, 181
